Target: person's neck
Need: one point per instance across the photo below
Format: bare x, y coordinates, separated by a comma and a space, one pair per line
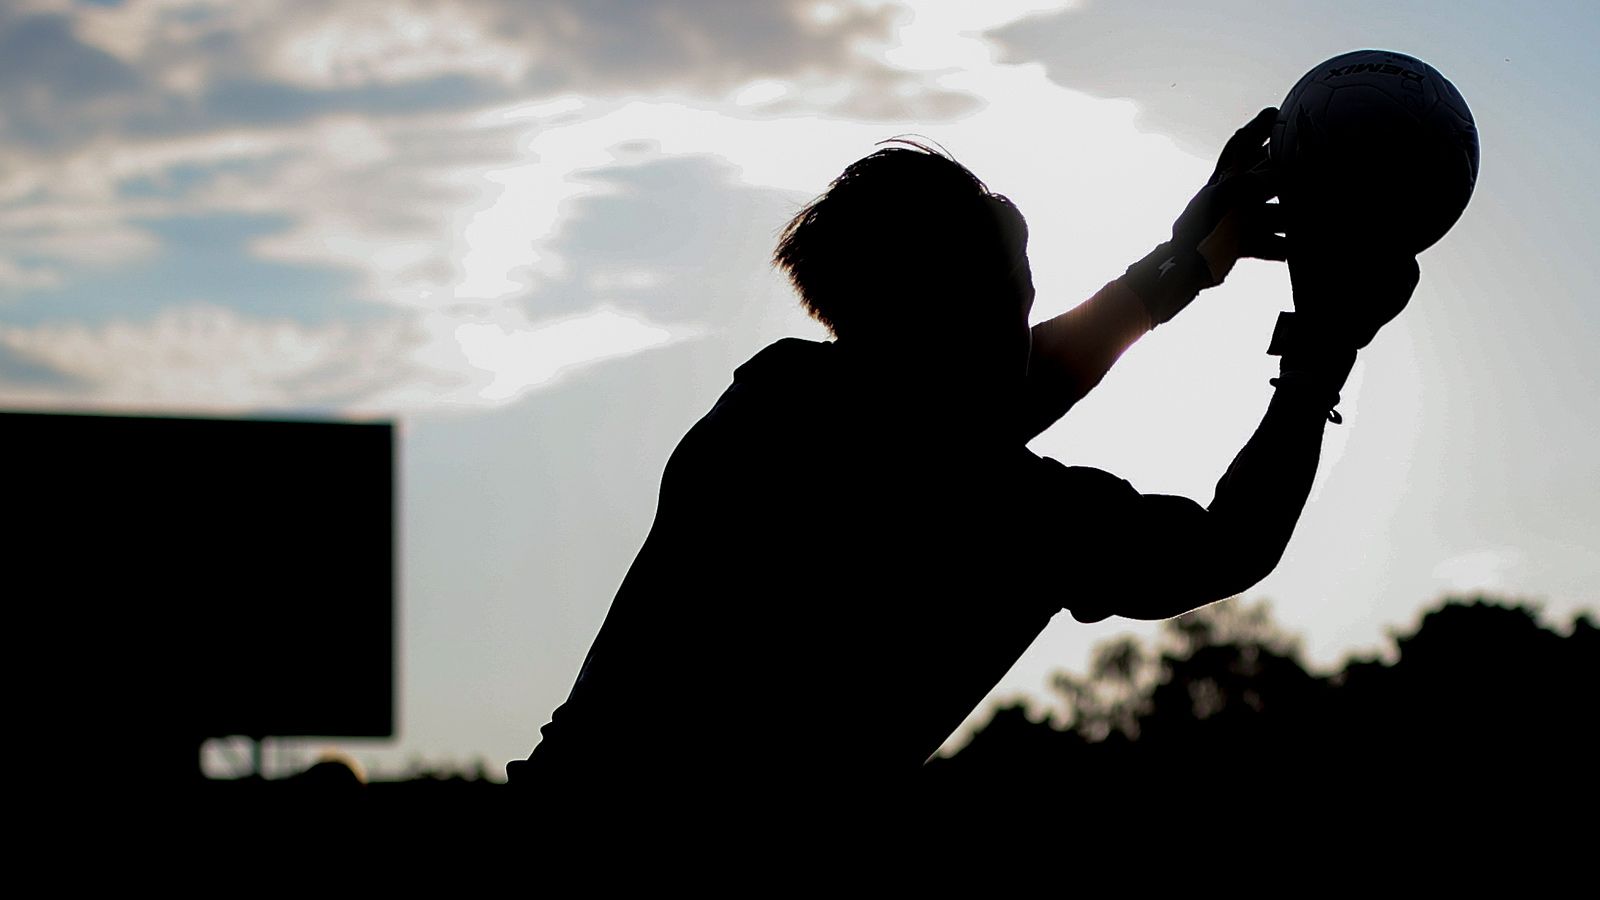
925, 377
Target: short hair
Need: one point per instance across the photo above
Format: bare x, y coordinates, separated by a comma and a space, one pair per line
906, 221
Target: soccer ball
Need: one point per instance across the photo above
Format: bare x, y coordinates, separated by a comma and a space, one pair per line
1379, 141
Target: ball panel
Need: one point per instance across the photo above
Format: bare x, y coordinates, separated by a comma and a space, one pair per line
1376, 136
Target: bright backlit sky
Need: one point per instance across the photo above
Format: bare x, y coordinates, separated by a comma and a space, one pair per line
536, 235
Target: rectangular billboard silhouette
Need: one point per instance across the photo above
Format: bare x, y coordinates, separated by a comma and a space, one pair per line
174, 579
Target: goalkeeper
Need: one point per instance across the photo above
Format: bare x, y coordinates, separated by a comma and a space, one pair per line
855, 544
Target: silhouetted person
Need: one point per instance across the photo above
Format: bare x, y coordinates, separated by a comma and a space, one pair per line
855, 544
329, 774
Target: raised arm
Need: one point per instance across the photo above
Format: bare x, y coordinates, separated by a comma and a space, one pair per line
1156, 556
1229, 218
1073, 351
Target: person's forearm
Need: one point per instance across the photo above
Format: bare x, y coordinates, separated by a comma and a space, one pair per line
1072, 352
1190, 556
1259, 499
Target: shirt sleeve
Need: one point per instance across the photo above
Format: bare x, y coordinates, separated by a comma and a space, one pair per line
1072, 352
1111, 550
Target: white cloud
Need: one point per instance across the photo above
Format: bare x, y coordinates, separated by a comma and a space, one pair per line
353, 45
88, 245
70, 211
945, 34
181, 45
382, 198
27, 278
130, 31
428, 208
760, 91
522, 358
185, 46
470, 206
1491, 571
205, 357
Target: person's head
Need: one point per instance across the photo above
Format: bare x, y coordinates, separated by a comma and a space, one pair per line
908, 245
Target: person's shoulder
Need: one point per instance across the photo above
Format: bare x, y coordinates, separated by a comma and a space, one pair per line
1086, 475
778, 384
782, 359
1086, 482
779, 374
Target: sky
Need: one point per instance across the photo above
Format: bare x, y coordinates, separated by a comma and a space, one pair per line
536, 236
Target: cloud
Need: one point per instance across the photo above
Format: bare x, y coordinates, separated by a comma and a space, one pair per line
56, 91
1200, 70
675, 237
23, 277
1491, 570
204, 357
1147, 52
349, 46
481, 175
378, 198
437, 215
366, 130
170, 66
524, 358
355, 108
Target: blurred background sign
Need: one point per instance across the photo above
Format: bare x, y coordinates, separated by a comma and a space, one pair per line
175, 579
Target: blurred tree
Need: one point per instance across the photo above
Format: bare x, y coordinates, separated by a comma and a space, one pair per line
1483, 701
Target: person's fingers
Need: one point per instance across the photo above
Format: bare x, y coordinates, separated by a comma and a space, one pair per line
1270, 218
1246, 141
1257, 130
1391, 285
1220, 250
1243, 190
1264, 169
1259, 230
1258, 245
1251, 161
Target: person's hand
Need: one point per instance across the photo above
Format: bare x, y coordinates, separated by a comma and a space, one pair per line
1347, 283
1228, 219
1345, 289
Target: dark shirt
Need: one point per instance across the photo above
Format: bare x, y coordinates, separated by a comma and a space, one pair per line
840, 570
